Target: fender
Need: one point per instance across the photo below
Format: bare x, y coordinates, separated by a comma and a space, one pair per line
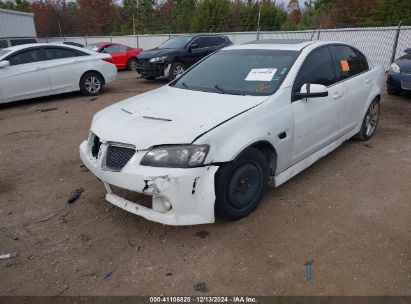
265, 122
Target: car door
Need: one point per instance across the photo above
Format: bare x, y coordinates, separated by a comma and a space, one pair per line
118, 55
198, 49
63, 68
26, 76
352, 67
316, 119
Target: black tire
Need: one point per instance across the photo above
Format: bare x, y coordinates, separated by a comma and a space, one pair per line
370, 121
132, 64
391, 91
86, 84
177, 68
150, 78
240, 185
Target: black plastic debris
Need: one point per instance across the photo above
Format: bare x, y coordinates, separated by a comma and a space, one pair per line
76, 194
201, 287
169, 274
46, 110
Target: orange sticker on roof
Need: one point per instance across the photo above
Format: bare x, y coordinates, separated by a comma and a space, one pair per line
344, 65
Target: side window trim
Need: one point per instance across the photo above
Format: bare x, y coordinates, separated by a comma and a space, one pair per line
293, 91
207, 47
61, 48
42, 57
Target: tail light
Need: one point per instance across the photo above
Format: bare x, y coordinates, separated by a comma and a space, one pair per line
108, 59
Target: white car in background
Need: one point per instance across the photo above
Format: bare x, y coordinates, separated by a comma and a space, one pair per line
245, 117
40, 69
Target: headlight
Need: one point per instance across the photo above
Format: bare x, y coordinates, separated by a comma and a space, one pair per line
394, 68
158, 59
176, 156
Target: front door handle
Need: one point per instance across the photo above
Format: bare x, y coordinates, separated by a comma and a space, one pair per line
367, 80
336, 96
39, 68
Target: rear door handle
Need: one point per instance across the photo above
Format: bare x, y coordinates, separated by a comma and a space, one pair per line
336, 95
39, 68
367, 80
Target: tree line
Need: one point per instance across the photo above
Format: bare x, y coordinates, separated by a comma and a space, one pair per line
111, 17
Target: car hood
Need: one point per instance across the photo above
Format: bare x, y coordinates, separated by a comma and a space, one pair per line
155, 53
168, 116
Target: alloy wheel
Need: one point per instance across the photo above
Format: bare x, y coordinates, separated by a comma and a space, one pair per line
371, 119
92, 84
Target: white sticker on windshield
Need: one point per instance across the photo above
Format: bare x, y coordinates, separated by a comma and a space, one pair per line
261, 75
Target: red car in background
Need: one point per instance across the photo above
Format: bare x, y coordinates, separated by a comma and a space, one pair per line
124, 57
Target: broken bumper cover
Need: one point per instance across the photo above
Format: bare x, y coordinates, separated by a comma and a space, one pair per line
179, 196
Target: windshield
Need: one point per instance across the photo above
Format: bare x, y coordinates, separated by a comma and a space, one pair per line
93, 47
178, 42
240, 72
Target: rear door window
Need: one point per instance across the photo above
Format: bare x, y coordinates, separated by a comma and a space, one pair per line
349, 61
27, 56
59, 53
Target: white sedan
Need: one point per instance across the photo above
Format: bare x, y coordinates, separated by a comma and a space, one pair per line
34, 70
245, 117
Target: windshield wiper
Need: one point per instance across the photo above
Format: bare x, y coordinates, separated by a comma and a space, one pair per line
185, 85
219, 87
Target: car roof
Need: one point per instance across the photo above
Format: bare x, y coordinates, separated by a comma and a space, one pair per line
28, 45
281, 44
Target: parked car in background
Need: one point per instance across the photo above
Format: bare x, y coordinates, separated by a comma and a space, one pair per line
177, 54
6, 42
399, 74
73, 43
124, 57
41, 69
245, 117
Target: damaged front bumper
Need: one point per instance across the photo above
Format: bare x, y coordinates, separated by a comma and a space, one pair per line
180, 196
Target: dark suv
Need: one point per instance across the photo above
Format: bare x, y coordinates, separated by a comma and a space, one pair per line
177, 54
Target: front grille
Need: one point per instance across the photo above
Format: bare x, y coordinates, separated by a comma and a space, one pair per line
117, 157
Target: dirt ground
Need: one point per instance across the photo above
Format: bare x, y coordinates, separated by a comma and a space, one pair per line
350, 213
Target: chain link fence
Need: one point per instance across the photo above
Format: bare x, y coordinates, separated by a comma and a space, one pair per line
380, 44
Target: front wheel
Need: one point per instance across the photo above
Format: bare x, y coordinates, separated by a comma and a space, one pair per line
176, 70
370, 121
132, 64
91, 84
240, 185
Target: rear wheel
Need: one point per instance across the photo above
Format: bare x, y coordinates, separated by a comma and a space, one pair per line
370, 121
91, 84
132, 64
240, 185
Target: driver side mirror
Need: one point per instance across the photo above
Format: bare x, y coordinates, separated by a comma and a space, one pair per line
312, 91
193, 46
4, 64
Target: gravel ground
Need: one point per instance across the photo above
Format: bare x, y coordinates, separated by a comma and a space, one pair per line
350, 213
